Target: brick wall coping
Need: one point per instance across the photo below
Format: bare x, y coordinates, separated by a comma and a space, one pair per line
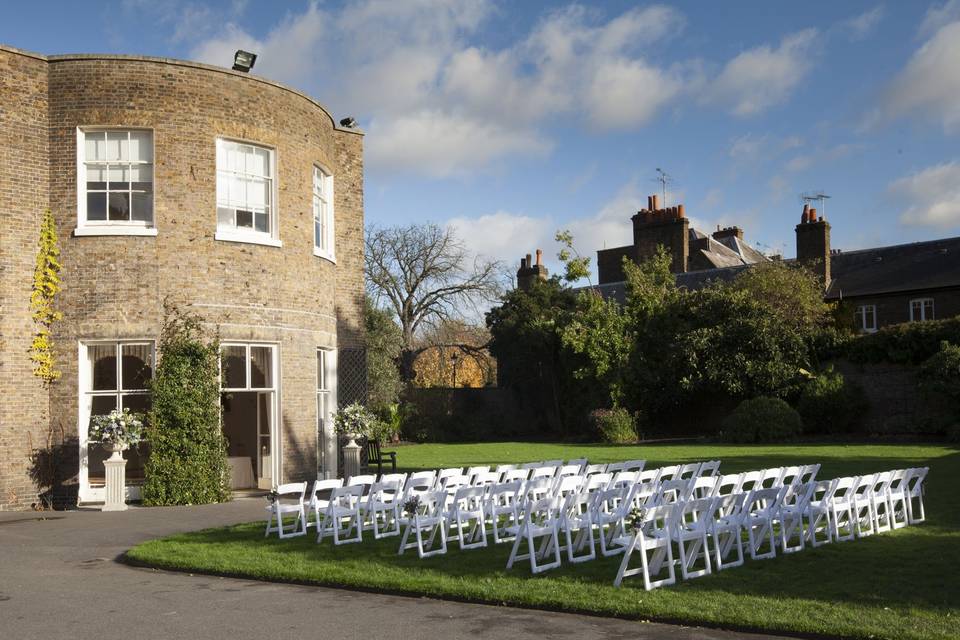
180, 63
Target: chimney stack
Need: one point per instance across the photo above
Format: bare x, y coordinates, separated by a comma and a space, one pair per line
530, 273
669, 227
813, 243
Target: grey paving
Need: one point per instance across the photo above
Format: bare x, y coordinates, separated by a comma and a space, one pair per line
59, 578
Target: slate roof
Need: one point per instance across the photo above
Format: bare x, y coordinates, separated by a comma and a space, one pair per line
933, 264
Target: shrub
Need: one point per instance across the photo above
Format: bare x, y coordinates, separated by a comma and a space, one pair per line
762, 419
830, 404
907, 343
188, 454
940, 373
614, 426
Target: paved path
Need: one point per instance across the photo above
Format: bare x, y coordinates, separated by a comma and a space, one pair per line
59, 578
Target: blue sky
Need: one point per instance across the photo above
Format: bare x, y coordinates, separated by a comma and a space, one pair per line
511, 120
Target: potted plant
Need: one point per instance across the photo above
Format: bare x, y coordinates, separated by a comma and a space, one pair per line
116, 431
354, 421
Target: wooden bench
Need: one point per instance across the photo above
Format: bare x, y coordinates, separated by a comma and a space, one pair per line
378, 457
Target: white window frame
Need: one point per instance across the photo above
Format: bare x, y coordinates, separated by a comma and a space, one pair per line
111, 227
922, 304
276, 448
864, 312
250, 236
326, 407
85, 390
324, 215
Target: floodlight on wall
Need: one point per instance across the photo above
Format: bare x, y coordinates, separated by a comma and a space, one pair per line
243, 60
350, 123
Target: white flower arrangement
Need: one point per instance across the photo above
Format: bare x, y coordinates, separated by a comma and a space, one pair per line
117, 428
354, 420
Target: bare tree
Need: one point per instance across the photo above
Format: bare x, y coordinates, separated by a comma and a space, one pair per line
425, 273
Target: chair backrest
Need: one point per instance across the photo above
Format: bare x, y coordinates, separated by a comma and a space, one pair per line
385, 491
504, 493
446, 473
365, 480
594, 469
323, 485
822, 492
291, 491
897, 478
669, 473
695, 514
536, 489
451, 484
624, 479
749, 481
347, 496
632, 465
729, 506
843, 489
688, 471
790, 475
809, 472
797, 496
579, 462
430, 475
532, 465
728, 484
915, 478
614, 467
566, 485
881, 482
703, 487
658, 521
770, 478
541, 512
501, 468
473, 471
763, 502
418, 484
553, 463
569, 470
597, 482
710, 468
389, 477
673, 491
543, 472
432, 504
513, 475
650, 476
863, 487
469, 498
485, 478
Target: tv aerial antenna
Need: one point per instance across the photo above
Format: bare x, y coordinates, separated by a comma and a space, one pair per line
818, 196
664, 179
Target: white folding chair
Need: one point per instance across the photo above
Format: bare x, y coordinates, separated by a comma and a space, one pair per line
546, 471
841, 509
915, 490
364, 480
381, 509
532, 465
566, 471
897, 498
594, 469
818, 512
535, 489
503, 468
725, 529
342, 515
703, 487
318, 504
770, 479
880, 502
418, 484
632, 465
443, 474
688, 471
614, 467
863, 506
564, 486
394, 477
576, 523
653, 538
452, 483
485, 479
538, 521
691, 522
790, 475
515, 475
503, 509
467, 514
473, 471
425, 524
809, 473
749, 481
728, 485
610, 508
759, 511
624, 479
288, 500
793, 507
579, 462
669, 473
672, 491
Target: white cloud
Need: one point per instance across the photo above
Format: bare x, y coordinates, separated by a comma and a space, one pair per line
440, 144
930, 197
628, 94
861, 26
763, 77
503, 235
930, 83
938, 16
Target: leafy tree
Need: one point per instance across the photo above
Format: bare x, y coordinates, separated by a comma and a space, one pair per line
384, 343
188, 454
791, 293
601, 333
425, 274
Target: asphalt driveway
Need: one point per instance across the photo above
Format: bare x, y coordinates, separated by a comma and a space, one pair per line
60, 578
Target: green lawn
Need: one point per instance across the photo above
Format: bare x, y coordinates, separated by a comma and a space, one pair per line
904, 584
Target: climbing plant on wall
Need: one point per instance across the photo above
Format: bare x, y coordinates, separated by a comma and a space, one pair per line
46, 285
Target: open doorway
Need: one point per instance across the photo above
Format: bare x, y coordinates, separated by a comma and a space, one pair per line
249, 401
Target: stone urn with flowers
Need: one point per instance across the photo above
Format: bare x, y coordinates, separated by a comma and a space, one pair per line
353, 421
116, 432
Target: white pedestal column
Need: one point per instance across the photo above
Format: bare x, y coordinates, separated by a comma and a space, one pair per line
351, 459
116, 485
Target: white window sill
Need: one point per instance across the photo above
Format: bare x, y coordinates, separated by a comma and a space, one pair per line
324, 255
249, 238
117, 230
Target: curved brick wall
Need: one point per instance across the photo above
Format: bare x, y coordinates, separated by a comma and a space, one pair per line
114, 286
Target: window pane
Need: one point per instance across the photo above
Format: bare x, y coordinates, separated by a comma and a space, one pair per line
258, 163
136, 365
96, 206
261, 374
262, 221
117, 145
119, 206
142, 207
316, 235
103, 366
224, 217
141, 176
256, 194
141, 146
321, 370
244, 219
119, 177
136, 402
93, 146
234, 367
102, 405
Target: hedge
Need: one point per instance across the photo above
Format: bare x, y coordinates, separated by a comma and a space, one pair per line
907, 343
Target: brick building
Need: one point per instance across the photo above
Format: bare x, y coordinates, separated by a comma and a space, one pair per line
883, 285
228, 194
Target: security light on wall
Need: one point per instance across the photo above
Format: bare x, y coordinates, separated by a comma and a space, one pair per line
350, 123
243, 60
